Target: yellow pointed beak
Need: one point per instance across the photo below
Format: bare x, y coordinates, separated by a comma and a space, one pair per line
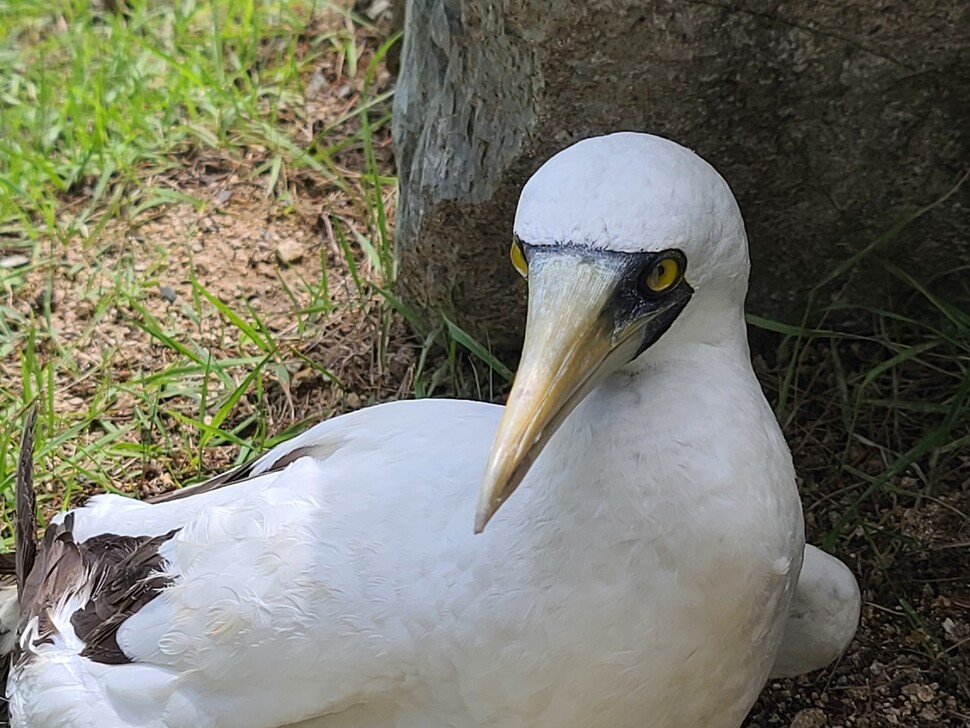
570, 346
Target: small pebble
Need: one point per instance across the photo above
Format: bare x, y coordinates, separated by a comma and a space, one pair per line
14, 261
809, 718
929, 714
84, 309
923, 693
289, 252
372, 9
44, 300
316, 85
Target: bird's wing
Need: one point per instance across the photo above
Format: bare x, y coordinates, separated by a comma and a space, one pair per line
318, 442
823, 616
265, 602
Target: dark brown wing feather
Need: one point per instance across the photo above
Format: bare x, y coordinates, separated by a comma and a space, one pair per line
15, 567
238, 474
26, 535
124, 570
58, 570
127, 571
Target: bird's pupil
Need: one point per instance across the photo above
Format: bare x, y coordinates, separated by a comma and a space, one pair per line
660, 271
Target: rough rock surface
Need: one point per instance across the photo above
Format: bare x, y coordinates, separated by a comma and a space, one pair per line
831, 121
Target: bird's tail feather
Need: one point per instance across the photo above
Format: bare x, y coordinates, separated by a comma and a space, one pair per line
26, 535
15, 567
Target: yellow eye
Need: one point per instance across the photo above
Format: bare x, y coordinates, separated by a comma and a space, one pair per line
518, 260
664, 274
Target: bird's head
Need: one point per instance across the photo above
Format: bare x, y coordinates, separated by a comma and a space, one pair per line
618, 237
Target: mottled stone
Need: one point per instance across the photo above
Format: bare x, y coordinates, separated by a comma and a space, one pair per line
289, 251
809, 718
831, 121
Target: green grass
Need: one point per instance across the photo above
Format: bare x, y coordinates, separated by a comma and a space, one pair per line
876, 405
890, 387
106, 117
99, 102
908, 387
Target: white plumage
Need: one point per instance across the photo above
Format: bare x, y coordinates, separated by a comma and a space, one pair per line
641, 576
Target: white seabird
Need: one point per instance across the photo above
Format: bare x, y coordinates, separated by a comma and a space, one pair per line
641, 576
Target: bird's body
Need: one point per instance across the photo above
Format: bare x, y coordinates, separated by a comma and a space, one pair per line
397, 606
640, 577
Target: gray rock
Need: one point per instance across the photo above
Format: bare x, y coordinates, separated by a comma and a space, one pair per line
289, 252
168, 293
829, 120
809, 718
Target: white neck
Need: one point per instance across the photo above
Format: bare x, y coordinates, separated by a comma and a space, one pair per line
613, 456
